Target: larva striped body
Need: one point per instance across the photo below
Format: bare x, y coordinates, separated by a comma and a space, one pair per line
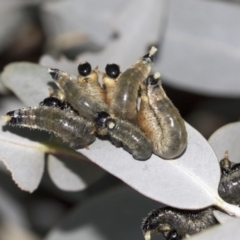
73, 129
184, 222
130, 136
109, 81
124, 100
161, 121
78, 97
88, 80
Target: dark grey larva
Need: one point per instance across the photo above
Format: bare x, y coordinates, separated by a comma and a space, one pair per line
229, 186
129, 135
74, 130
77, 96
183, 222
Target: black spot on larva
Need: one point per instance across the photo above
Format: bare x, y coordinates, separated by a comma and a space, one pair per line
84, 69
112, 70
101, 118
151, 80
15, 117
173, 235
53, 72
51, 102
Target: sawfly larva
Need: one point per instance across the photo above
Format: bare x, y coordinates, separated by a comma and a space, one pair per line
161, 121
88, 80
74, 130
124, 100
112, 71
130, 136
187, 222
87, 105
183, 222
229, 187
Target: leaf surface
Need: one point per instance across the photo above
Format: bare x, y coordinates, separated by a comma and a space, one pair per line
73, 174
189, 182
227, 138
28, 81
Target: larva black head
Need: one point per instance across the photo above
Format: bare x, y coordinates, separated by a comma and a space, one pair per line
151, 80
84, 69
112, 70
173, 235
15, 117
101, 118
53, 72
51, 102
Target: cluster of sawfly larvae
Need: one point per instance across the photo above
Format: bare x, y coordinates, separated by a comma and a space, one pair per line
176, 224
82, 109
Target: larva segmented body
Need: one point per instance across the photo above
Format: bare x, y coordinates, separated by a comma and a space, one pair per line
184, 222
88, 80
131, 137
124, 100
161, 121
229, 186
109, 81
78, 97
73, 129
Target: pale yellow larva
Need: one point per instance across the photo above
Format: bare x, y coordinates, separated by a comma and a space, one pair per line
88, 80
161, 121
110, 77
124, 100
73, 129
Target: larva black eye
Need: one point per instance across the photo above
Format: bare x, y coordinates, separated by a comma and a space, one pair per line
53, 72
173, 235
51, 102
84, 69
101, 118
112, 70
15, 118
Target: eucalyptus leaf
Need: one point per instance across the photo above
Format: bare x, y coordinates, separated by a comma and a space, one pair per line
200, 51
89, 22
28, 81
23, 158
141, 29
70, 174
117, 214
189, 182
227, 138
